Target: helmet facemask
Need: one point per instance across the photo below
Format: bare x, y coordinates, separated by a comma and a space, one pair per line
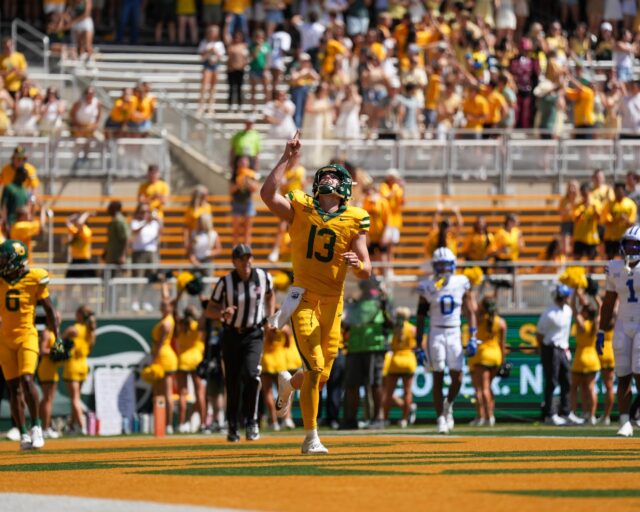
630, 248
444, 268
342, 188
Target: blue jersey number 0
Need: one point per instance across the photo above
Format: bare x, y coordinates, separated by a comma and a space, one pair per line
446, 304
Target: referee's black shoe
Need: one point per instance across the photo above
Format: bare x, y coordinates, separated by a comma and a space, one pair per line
232, 435
252, 432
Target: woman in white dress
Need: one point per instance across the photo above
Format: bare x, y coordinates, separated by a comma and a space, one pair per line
279, 114
26, 112
51, 113
348, 122
318, 114
318, 121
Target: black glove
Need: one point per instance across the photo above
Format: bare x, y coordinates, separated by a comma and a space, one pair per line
60, 351
505, 370
592, 287
207, 368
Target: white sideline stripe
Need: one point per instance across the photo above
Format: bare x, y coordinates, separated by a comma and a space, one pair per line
22, 502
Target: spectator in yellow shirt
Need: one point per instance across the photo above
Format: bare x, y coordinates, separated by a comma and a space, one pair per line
432, 97
476, 111
392, 189
508, 240
444, 233
480, 244
331, 47
294, 179
79, 241
140, 120
586, 216
601, 193
565, 208
25, 228
120, 113
583, 97
617, 216
498, 106
379, 213
235, 14
13, 67
155, 192
19, 158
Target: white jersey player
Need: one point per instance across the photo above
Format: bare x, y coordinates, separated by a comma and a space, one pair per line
623, 287
445, 297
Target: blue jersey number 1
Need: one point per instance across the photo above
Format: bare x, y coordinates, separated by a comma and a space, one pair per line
632, 292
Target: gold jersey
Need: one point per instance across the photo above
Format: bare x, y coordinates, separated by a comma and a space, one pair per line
318, 240
18, 302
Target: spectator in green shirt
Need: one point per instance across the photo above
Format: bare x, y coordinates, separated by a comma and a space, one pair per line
118, 235
247, 142
366, 324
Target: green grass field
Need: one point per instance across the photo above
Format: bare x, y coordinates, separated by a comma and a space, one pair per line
508, 467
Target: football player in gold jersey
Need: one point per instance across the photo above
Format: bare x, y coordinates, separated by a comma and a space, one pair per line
21, 289
327, 237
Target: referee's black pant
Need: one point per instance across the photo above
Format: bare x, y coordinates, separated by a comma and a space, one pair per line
242, 353
557, 370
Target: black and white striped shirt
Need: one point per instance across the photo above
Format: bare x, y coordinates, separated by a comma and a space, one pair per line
249, 297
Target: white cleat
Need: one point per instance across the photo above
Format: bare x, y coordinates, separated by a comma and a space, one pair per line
285, 394
477, 422
51, 434
37, 439
555, 420
626, 430
573, 419
447, 411
492, 421
25, 442
184, 428
443, 428
13, 434
313, 446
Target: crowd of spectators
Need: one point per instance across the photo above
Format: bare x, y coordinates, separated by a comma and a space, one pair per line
26, 109
387, 68
418, 70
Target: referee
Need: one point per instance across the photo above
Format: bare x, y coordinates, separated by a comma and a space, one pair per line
242, 300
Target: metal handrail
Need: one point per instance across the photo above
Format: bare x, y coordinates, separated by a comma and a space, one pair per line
45, 53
